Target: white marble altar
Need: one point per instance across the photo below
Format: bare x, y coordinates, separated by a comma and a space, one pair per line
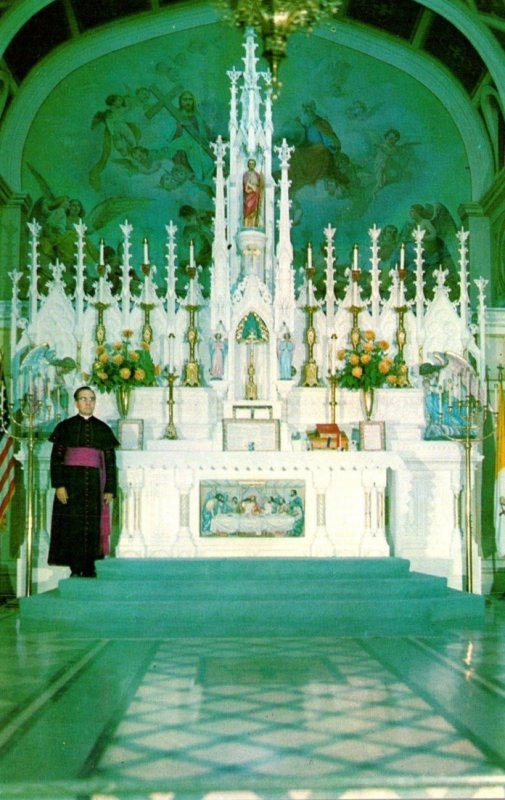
402, 500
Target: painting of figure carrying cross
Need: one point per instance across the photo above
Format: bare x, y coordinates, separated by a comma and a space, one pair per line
253, 188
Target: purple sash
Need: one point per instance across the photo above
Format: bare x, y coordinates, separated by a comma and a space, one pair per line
91, 457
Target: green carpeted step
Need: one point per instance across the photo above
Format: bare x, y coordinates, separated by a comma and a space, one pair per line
317, 616
146, 598
214, 568
235, 588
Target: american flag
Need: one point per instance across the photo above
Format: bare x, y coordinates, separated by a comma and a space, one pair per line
7, 482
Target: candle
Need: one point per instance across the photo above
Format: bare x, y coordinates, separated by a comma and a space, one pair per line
401, 294
402, 256
355, 264
146, 251
309, 256
102, 245
191, 254
310, 293
171, 348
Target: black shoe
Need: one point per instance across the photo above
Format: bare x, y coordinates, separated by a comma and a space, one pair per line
76, 574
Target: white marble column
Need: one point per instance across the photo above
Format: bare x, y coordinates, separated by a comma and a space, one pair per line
322, 546
184, 545
131, 542
373, 541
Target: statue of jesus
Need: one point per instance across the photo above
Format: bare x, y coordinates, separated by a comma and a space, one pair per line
253, 185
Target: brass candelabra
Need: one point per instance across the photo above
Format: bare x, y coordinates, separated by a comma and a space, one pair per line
192, 369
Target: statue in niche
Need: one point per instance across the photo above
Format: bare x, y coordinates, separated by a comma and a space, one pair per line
253, 185
286, 348
218, 354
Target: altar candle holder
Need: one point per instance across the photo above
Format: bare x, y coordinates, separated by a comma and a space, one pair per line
145, 304
171, 430
333, 379
192, 367
100, 305
401, 333
310, 370
355, 335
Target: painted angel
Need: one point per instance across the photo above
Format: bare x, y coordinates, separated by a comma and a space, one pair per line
57, 216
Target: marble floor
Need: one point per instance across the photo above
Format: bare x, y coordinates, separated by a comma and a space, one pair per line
252, 719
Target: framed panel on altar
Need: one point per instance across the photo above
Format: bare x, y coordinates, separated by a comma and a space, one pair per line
130, 433
372, 435
251, 434
262, 508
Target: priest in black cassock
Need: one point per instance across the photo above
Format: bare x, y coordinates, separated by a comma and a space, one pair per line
83, 473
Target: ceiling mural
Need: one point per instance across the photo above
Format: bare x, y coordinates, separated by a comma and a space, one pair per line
127, 137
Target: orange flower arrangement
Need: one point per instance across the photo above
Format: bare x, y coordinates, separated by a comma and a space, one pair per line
368, 366
118, 364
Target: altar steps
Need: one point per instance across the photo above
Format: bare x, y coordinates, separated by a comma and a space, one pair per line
152, 598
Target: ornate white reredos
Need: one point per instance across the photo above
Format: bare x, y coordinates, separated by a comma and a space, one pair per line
252, 275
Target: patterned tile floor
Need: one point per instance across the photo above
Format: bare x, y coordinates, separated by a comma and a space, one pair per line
253, 719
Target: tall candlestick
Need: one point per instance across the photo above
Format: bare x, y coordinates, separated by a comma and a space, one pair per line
146, 251
355, 293
102, 246
192, 291
145, 293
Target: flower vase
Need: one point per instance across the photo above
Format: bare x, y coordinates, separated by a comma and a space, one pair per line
367, 402
123, 395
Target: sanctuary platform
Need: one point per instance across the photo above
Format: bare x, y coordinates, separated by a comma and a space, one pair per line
248, 597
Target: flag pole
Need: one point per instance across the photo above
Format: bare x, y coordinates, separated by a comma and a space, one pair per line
30, 408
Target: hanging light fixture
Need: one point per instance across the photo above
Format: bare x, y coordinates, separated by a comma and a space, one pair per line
275, 20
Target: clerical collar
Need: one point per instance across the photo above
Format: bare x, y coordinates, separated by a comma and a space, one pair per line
83, 417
